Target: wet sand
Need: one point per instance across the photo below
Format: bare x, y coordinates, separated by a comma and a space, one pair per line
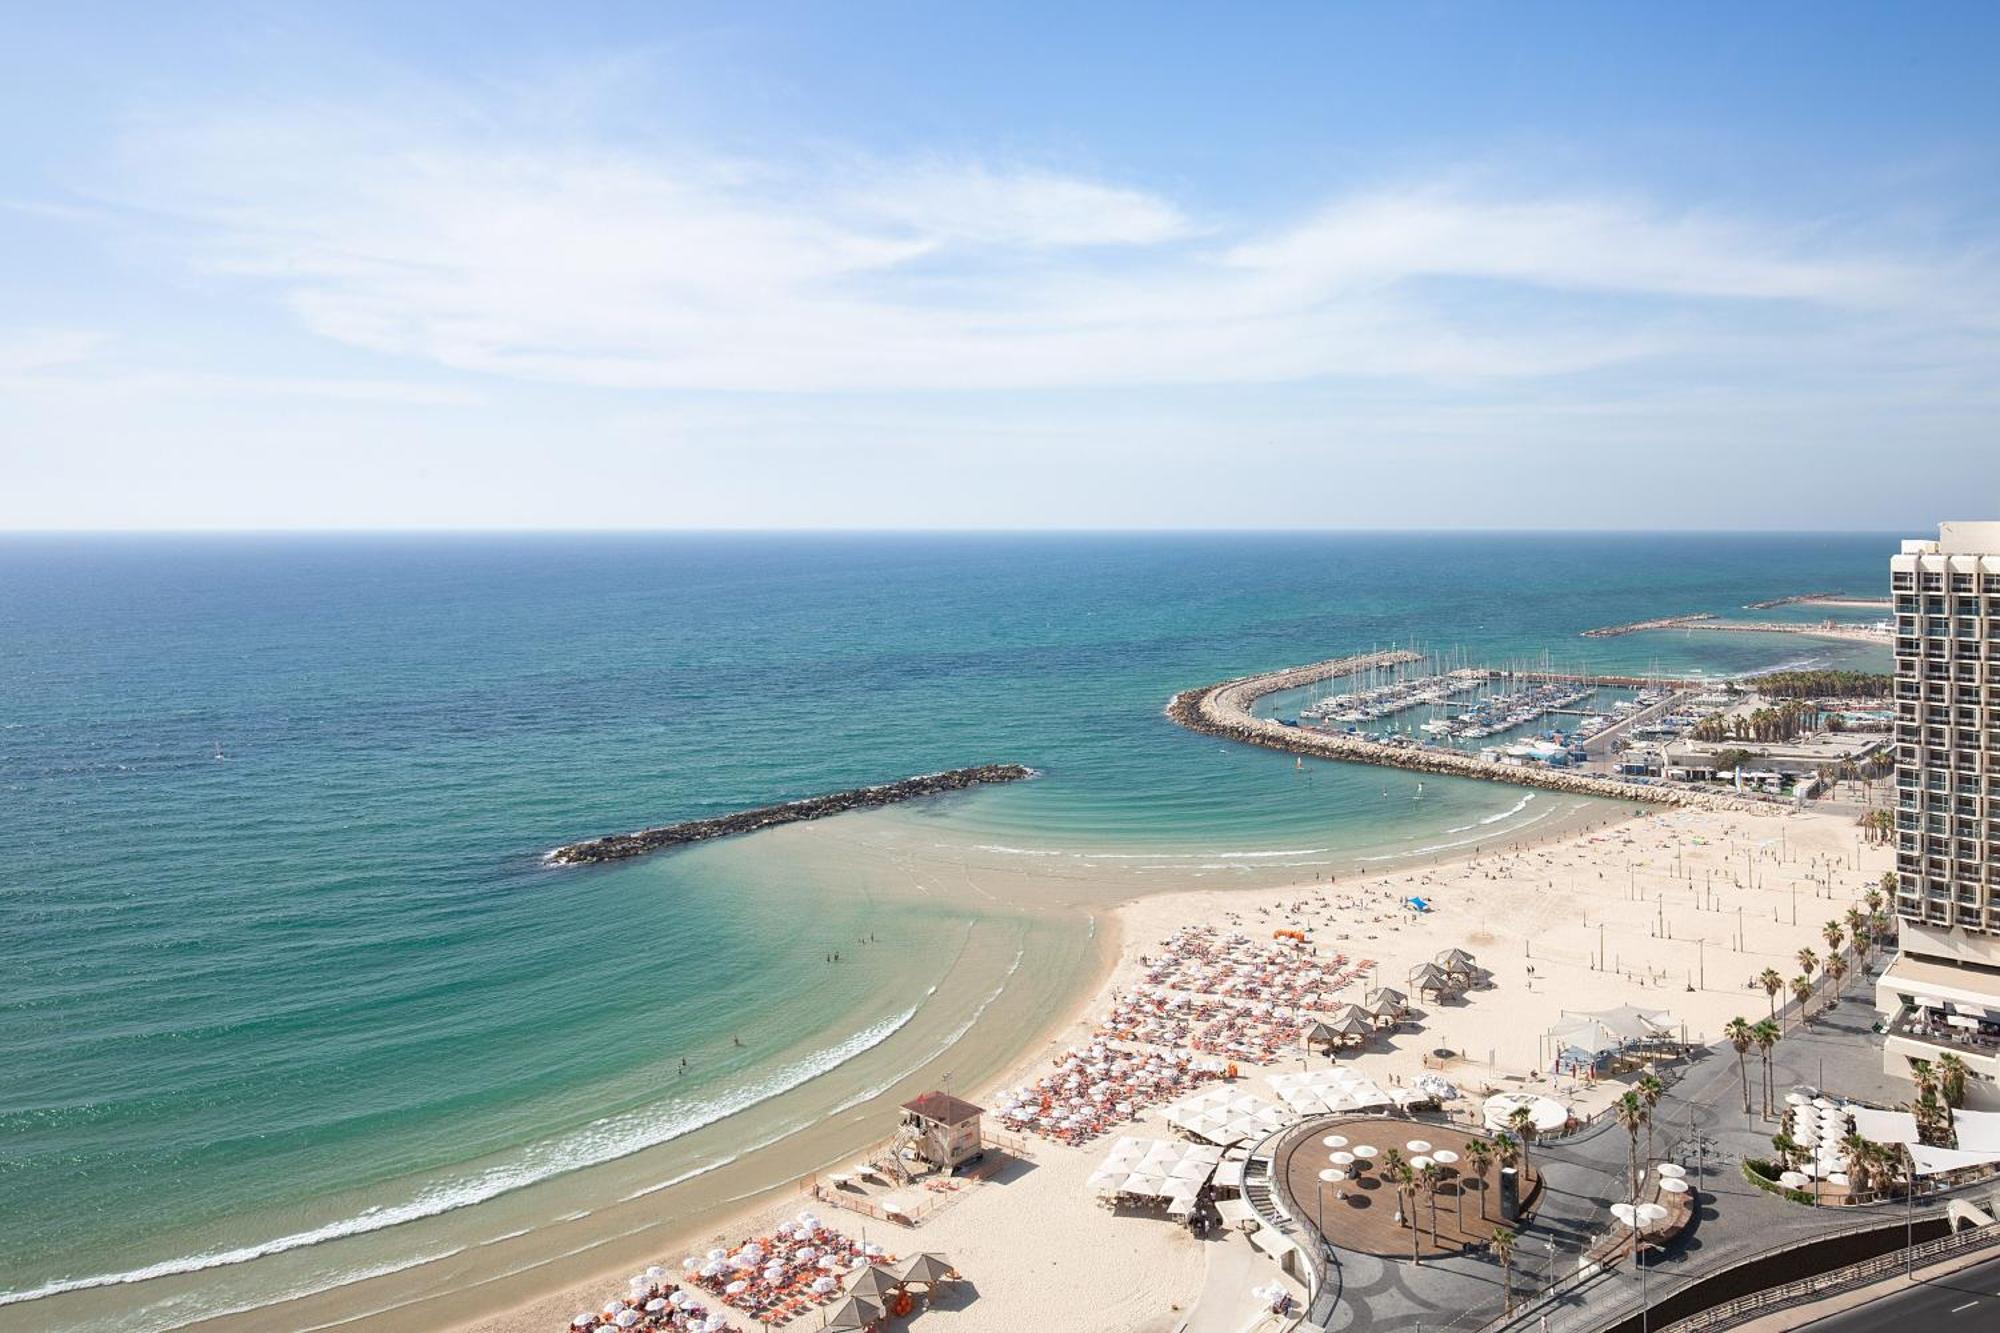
1034, 1241
1037, 936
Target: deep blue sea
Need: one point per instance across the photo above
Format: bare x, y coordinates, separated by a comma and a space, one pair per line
280, 963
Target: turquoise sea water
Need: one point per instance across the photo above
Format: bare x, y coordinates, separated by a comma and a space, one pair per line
277, 999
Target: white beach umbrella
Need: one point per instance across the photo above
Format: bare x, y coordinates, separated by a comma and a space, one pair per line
1343, 1159
584, 1320
656, 1305
689, 1264
1672, 1170
1332, 1175
736, 1288
1650, 1213
718, 1254
1418, 1145
1444, 1157
1674, 1186
1365, 1151
1335, 1141
654, 1273
1420, 1161
627, 1318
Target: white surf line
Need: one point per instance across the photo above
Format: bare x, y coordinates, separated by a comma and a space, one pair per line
556, 1157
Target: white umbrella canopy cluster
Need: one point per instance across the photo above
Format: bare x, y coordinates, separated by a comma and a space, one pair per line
1330, 1091
1819, 1128
1156, 1169
1226, 1116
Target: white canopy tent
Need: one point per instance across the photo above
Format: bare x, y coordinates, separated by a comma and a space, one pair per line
1225, 1116
1978, 1131
1154, 1169
1545, 1114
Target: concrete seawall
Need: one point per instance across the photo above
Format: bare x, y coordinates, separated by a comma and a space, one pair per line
1224, 710
619, 846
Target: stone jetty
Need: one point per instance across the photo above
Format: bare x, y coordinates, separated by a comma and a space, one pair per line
1224, 710
1819, 599
1663, 622
1703, 620
619, 846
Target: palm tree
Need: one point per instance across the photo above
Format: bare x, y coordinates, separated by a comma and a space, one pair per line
1859, 1157
1506, 1150
1874, 897
1631, 1112
1650, 1090
1428, 1178
1405, 1178
1522, 1122
1503, 1246
1787, 1148
1837, 969
1802, 988
1855, 919
1766, 1036
1772, 984
1833, 934
1951, 1073
1478, 1156
1739, 1032
1808, 960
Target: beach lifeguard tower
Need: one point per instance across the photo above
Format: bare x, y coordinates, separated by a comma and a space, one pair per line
942, 1130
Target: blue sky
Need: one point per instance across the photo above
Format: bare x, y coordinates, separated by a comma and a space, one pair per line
741, 265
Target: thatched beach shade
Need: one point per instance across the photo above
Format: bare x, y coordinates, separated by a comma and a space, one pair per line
1345, 1012
874, 1283
1356, 1028
1458, 962
1386, 995
1430, 979
854, 1314
1319, 1034
928, 1268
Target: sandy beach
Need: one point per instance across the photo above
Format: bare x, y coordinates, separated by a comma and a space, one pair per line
1664, 894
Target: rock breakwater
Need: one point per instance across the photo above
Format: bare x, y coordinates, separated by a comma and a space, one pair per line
620, 846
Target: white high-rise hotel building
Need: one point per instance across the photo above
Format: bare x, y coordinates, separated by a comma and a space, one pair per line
1942, 993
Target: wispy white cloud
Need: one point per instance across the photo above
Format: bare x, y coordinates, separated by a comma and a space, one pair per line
582, 263
78, 363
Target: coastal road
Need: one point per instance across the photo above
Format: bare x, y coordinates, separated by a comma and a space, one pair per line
1966, 1300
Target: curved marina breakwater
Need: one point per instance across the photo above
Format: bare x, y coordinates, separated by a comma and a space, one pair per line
1224, 710
619, 846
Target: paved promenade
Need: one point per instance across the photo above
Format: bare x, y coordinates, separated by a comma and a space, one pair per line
1700, 1123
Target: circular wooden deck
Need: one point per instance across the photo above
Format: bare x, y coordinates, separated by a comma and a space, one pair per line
1359, 1214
